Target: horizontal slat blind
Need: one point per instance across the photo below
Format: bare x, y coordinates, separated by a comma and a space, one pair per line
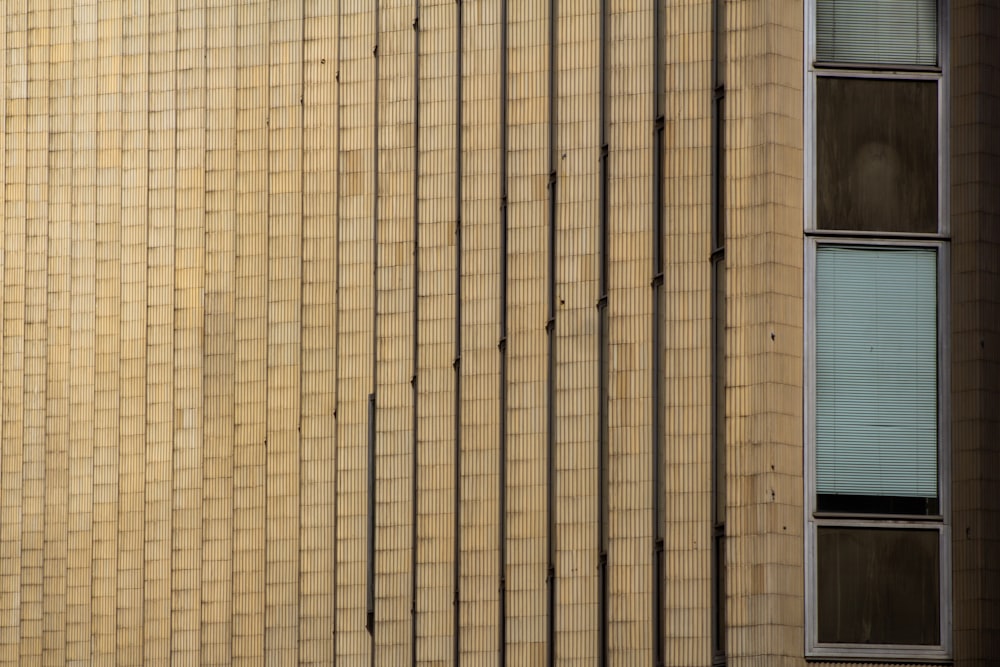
876, 371
878, 32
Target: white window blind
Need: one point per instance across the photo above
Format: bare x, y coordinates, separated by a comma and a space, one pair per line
876, 371
877, 32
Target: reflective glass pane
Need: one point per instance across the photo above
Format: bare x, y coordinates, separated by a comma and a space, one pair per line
876, 155
878, 586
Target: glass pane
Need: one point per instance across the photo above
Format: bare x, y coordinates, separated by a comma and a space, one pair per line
876, 155
878, 586
877, 32
840, 503
876, 373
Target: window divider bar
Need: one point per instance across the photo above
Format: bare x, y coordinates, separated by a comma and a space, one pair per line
868, 237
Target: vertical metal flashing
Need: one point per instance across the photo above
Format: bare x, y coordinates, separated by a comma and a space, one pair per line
375, 185
370, 615
173, 333
656, 446
502, 346
370, 545
338, 273
717, 355
301, 286
267, 347
415, 415
550, 328
457, 364
718, 98
602, 356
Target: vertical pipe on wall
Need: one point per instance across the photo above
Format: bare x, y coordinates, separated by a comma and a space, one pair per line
656, 448
457, 364
550, 328
415, 351
602, 356
504, 230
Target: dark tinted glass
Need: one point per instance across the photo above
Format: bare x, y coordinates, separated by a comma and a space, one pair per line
876, 155
878, 586
857, 504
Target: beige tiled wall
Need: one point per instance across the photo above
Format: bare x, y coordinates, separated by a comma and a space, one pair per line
161, 336
53, 231
250, 334
218, 328
83, 445
630, 32
436, 187
394, 367
107, 468
14, 40
764, 581
187, 494
576, 383
319, 320
190, 331
355, 116
132, 372
687, 330
479, 320
283, 388
528, 223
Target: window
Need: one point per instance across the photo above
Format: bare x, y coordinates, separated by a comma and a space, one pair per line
879, 585
872, 174
874, 33
877, 505
876, 380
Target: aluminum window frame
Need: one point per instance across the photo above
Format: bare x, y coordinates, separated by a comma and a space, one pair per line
940, 241
940, 522
839, 70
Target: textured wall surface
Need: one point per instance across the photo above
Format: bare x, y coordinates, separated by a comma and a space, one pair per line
764, 332
227, 224
975, 294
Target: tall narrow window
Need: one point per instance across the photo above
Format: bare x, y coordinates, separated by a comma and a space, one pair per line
876, 228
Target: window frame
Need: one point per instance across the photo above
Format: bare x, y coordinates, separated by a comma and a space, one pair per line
814, 238
812, 60
844, 70
814, 519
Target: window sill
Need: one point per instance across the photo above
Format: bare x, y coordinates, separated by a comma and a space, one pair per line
879, 654
888, 68
881, 518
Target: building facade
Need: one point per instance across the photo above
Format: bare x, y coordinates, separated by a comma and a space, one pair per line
486, 332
